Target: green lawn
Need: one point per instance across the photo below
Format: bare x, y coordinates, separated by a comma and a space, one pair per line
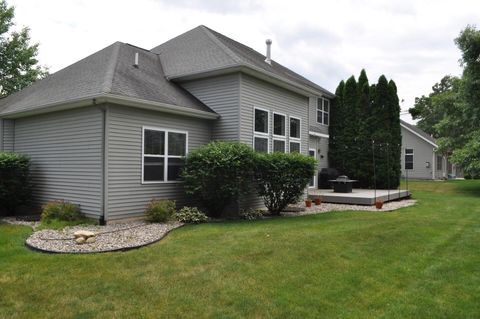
418, 262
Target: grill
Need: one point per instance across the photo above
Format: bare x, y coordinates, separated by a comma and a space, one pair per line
342, 184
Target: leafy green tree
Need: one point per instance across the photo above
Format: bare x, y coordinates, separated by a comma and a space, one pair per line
18, 63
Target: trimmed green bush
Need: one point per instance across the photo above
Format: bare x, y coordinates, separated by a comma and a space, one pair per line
282, 178
190, 215
15, 184
160, 211
61, 210
251, 214
218, 173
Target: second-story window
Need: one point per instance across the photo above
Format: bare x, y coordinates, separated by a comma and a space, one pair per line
323, 111
295, 134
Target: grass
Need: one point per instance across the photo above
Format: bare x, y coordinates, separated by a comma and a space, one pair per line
418, 262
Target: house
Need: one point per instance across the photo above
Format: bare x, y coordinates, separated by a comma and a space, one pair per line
420, 159
109, 131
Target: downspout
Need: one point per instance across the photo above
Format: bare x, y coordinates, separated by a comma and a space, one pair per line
103, 175
434, 164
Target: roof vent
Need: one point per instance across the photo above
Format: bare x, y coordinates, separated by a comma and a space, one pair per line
135, 64
269, 44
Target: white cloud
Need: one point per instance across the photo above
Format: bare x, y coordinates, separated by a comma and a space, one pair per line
409, 41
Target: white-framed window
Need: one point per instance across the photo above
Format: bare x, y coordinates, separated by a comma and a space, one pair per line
313, 182
163, 151
295, 134
279, 125
279, 145
409, 158
439, 162
261, 130
323, 111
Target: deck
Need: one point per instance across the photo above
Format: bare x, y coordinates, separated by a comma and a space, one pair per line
358, 196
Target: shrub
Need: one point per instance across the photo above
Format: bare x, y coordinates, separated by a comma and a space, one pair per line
191, 215
282, 178
61, 210
251, 214
15, 184
159, 211
218, 173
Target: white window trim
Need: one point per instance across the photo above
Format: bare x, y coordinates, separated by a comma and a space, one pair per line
275, 136
323, 111
281, 140
405, 159
268, 124
316, 168
165, 156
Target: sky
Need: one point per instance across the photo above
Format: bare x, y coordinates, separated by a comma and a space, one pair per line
411, 42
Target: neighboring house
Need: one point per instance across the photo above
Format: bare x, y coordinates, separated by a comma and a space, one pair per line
420, 159
109, 131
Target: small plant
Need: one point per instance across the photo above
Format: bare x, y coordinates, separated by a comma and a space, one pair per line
160, 211
61, 210
251, 214
190, 215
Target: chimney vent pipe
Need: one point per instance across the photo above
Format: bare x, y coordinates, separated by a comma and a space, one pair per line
269, 53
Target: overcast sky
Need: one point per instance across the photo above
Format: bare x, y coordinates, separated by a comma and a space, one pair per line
326, 41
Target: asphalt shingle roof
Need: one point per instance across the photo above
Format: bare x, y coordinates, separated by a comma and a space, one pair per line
419, 131
202, 49
108, 71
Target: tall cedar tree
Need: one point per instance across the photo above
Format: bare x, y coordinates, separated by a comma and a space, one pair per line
335, 127
395, 141
363, 167
349, 128
18, 64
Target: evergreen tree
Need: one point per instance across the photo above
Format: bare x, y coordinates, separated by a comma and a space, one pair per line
363, 136
395, 141
336, 115
348, 128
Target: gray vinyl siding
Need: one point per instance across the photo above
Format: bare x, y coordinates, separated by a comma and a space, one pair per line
221, 94
314, 125
126, 195
257, 93
422, 153
320, 145
66, 153
8, 135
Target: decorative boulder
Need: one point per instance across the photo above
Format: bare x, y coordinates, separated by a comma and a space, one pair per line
80, 240
90, 240
83, 233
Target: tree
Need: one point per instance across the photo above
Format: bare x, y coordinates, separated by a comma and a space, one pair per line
335, 128
363, 167
452, 111
18, 64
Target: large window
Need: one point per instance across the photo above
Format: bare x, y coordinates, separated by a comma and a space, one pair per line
279, 123
323, 111
261, 130
279, 146
163, 152
409, 158
439, 163
295, 134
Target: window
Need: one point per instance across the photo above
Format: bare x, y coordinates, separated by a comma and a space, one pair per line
323, 111
439, 163
279, 123
163, 153
294, 127
294, 147
260, 144
409, 158
279, 146
261, 121
312, 153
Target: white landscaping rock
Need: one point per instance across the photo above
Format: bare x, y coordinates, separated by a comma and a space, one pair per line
83, 233
80, 240
107, 238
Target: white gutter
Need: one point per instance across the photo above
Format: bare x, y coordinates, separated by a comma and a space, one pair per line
114, 99
415, 133
319, 134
